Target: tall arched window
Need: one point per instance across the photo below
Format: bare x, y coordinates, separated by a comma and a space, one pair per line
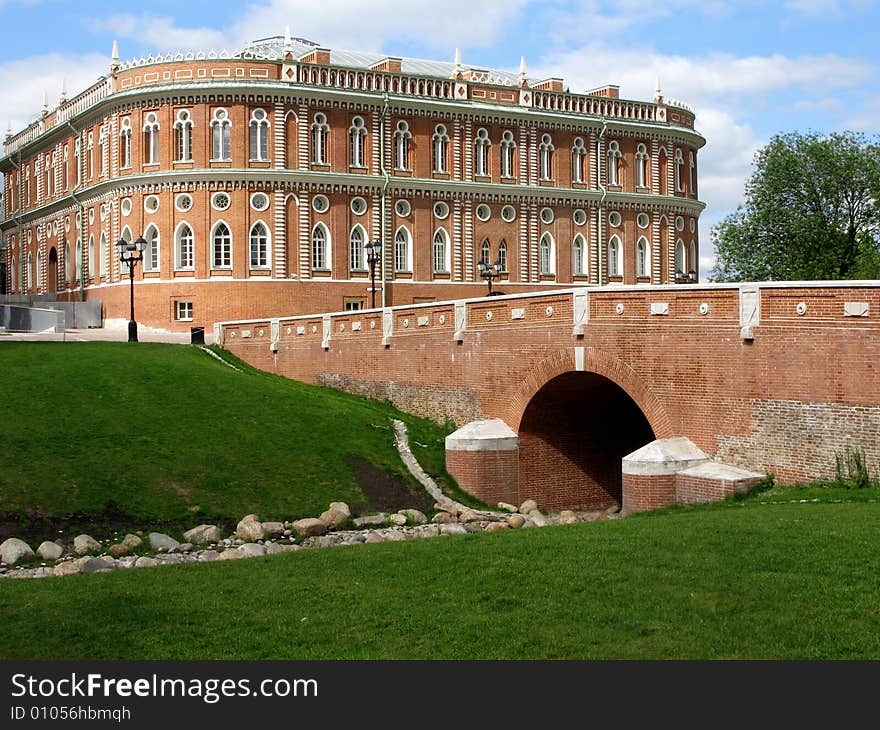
120, 267
402, 137
259, 136
90, 147
183, 135
48, 176
485, 254
151, 252
578, 250
320, 129
680, 259
440, 147
356, 242
643, 257
102, 253
91, 256
320, 247
545, 155
259, 246
641, 166
124, 145
502, 256
481, 153
102, 150
679, 161
692, 168
402, 250
547, 255
221, 136
578, 154
66, 161
221, 246
357, 133
663, 172
613, 163
151, 141
692, 258
440, 252
30, 271
508, 145
615, 266
184, 253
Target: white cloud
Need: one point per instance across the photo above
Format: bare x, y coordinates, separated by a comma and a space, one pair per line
826, 7
160, 33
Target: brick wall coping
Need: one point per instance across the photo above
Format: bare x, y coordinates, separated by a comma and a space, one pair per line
664, 456
489, 435
722, 472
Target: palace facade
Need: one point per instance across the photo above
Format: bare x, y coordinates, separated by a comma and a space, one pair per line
258, 179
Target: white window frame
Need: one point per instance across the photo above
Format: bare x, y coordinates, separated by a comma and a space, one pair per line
321, 259
440, 251
545, 157
225, 252
643, 258
508, 147
152, 251
183, 307
614, 156
357, 134
124, 146
481, 152
319, 135
402, 137
615, 256
179, 250
357, 239
578, 154
547, 254
440, 149
151, 140
403, 256
578, 256
221, 135
183, 126
258, 129
641, 166
265, 245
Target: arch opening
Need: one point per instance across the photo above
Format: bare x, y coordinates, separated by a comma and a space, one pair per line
572, 437
52, 272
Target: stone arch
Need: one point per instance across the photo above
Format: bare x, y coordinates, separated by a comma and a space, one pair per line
595, 361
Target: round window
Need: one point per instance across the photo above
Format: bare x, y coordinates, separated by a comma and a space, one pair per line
483, 212
441, 209
358, 206
579, 217
125, 207
614, 219
642, 220
91, 216
508, 213
547, 215
259, 201
320, 204
679, 223
220, 201
403, 208
693, 225
67, 221
151, 203
183, 202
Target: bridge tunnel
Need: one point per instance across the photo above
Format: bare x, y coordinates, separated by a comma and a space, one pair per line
572, 437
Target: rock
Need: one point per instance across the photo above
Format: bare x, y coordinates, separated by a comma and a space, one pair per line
68, 567
326, 541
43, 573
161, 542
393, 536
446, 507
371, 520
528, 523
612, 510
469, 515
414, 515
184, 547
272, 528
13, 550
96, 565
84, 544
250, 518
429, 531
528, 506
496, 527
373, 537
237, 541
119, 550
252, 550
207, 556
309, 527
538, 518
287, 533
132, 542
398, 519
355, 539
126, 562
567, 517
516, 521
48, 550
275, 549
231, 555
249, 530
507, 507
202, 534
474, 527
452, 529
337, 513
445, 518
145, 562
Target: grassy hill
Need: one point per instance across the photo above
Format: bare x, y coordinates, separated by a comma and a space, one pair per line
103, 435
734, 580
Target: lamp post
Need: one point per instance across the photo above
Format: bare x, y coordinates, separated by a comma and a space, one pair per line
127, 256
374, 256
489, 272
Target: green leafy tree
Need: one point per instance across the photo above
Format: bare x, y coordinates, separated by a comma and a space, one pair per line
811, 212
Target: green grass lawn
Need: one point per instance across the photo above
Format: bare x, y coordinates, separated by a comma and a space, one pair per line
118, 435
734, 580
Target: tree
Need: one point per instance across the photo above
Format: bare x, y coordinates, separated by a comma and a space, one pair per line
811, 212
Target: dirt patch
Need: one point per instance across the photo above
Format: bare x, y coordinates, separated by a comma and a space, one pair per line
385, 492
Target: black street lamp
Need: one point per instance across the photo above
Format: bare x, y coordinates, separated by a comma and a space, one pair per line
127, 256
489, 271
374, 256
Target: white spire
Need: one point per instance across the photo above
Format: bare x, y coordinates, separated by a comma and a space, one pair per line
63, 97
658, 95
522, 70
45, 103
115, 54
457, 60
288, 43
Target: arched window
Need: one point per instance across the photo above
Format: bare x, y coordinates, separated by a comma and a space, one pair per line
692, 259
578, 249
547, 255
679, 161
91, 256
356, 243
259, 246
402, 137
151, 252
615, 267
184, 253
441, 252
485, 255
692, 168
151, 141
545, 156
320, 247
259, 134
357, 133
643, 257
508, 145
663, 173
320, 129
641, 166
680, 259
440, 147
30, 271
183, 135
78, 261
66, 160
221, 246
27, 183
102, 150
578, 154
402, 250
48, 176
102, 253
502, 256
481, 153
124, 145
90, 159
221, 136
613, 163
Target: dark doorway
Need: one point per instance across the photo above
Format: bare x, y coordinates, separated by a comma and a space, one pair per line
52, 272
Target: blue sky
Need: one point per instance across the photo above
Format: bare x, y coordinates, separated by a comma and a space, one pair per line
750, 69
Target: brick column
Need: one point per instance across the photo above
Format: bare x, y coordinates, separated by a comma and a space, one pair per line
483, 457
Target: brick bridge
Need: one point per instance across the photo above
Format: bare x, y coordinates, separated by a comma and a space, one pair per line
553, 389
